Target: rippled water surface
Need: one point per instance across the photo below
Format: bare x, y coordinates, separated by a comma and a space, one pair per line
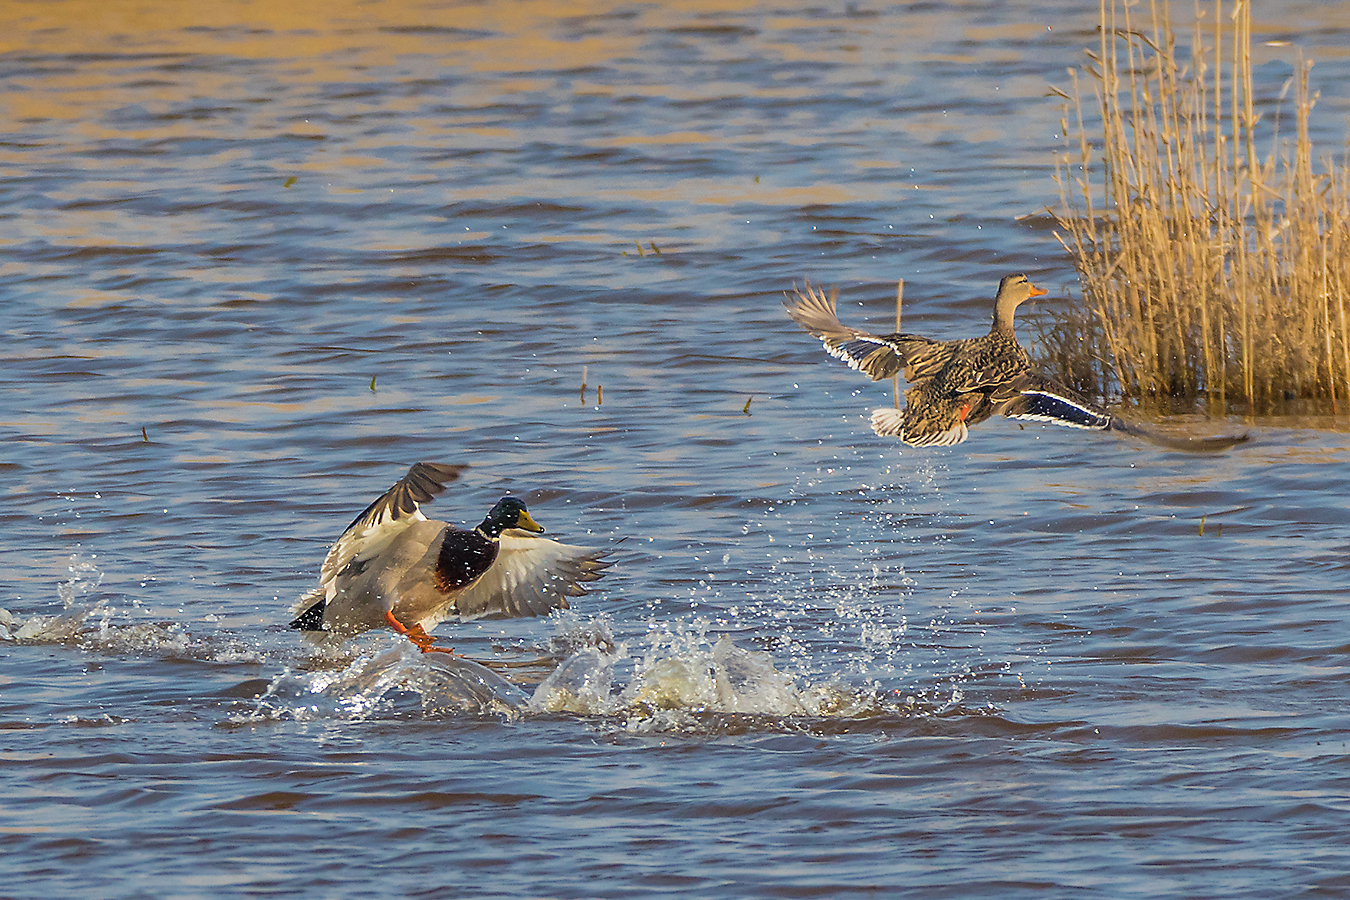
259, 258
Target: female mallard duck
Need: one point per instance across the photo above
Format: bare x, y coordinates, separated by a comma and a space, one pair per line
394, 566
956, 384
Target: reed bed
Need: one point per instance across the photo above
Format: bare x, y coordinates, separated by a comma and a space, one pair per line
1209, 273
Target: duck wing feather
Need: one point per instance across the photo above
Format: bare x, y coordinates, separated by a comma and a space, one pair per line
1042, 399
378, 525
1036, 398
532, 575
871, 354
925, 357
876, 355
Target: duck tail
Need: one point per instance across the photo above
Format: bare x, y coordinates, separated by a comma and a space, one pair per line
888, 422
311, 619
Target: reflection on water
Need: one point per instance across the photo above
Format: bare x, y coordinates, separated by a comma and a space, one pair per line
260, 258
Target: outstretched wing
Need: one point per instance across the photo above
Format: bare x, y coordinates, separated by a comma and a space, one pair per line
378, 524
531, 576
1040, 399
876, 355
871, 354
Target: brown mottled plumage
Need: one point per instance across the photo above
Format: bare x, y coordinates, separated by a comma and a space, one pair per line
952, 384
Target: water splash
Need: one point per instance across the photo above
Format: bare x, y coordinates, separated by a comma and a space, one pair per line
690, 680
77, 601
91, 621
398, 681
686, 675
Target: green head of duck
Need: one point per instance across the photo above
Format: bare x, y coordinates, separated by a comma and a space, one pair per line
509, 512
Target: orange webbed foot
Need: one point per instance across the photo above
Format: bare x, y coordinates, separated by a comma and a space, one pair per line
418, 635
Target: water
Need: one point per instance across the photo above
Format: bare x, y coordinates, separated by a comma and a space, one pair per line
259, 258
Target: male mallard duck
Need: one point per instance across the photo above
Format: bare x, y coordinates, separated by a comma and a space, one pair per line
956, 384
394, 566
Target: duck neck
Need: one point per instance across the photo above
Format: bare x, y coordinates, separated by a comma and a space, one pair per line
1003, 318
490, 528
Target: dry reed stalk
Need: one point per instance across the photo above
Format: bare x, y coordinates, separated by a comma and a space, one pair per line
1206, 270
899, 302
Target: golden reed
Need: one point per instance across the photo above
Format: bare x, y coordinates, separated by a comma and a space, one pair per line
1207, 271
